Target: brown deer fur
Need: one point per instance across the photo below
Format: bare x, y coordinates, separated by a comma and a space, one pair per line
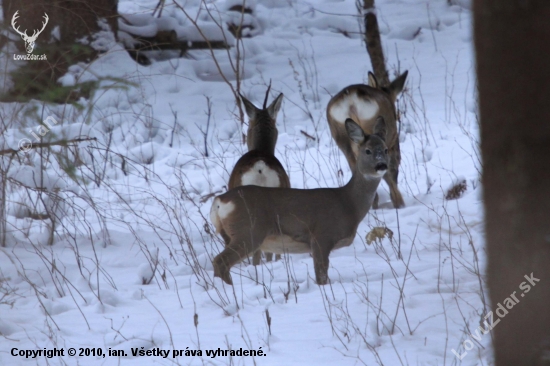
285, 220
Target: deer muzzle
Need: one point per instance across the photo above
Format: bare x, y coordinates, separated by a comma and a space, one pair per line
381, 167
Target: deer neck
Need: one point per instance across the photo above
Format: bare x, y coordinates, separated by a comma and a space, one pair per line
262, 138
361, 191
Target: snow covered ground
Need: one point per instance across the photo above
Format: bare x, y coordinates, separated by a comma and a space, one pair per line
130, 268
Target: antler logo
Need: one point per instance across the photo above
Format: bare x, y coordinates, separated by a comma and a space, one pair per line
29, 40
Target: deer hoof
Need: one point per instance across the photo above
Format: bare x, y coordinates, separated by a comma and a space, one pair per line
226, 277
223, 274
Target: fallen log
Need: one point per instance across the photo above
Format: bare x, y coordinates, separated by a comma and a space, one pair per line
143, 33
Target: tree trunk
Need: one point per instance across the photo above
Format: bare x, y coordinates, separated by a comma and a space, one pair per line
75, 20
512, 41
374, 44
368, 4
374, 47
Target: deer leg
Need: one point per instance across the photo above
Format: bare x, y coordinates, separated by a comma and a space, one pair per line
257, 258
343, 143
395, 161
395, 195
375, 201
320, 251
225, 237
239, 248
269, 257
391, 177
225, 260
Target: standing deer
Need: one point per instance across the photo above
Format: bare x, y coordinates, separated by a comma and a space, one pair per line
259, 166
29, 40
290, 220
363, 104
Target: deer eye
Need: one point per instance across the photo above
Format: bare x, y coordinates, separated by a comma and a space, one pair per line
368, 152
386, 151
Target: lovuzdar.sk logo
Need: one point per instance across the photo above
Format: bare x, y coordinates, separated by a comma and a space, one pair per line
29, 40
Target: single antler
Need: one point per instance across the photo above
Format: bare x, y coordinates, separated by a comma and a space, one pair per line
15, 16
36, 33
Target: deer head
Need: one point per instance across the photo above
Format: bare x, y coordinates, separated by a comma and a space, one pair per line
29, 40
262, 127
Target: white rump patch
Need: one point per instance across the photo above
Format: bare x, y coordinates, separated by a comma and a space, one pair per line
366, 109
261, 175
220, 211
224, 209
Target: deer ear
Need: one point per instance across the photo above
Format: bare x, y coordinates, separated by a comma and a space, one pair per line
274, 107
250, 108
380, 128
397, 85
372, 80
355, 132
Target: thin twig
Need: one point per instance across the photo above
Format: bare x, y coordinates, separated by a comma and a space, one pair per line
37, 145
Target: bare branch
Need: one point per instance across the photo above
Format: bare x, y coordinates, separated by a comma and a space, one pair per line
37, 145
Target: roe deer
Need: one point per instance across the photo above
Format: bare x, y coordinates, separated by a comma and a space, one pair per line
290, 220
259, 166
363, 104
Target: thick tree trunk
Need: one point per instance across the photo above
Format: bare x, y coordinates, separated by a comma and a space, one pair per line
512, 41
75, 20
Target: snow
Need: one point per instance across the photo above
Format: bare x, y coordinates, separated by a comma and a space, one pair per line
130, 267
